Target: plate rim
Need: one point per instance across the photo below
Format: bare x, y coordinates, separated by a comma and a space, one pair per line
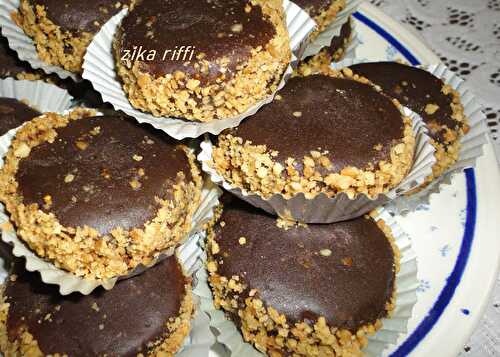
416, 52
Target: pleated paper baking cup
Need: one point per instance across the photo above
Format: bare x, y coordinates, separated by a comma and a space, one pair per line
299, 25
351, 50
187, 251
471, 143
392, 327
324, 209
324, 38
200, 338
39, 95
23, 44
99, 68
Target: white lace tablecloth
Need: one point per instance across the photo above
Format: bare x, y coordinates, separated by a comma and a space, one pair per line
465, 34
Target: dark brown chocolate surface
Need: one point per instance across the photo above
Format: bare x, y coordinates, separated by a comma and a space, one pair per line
80, 16
349, 288
101, 195
345, 117
206, 25
10, 65
13, 113
119, 322
414, 88
314, 7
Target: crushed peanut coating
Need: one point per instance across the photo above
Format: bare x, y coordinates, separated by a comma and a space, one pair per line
57, 45
254, 167
212, 85
83, 250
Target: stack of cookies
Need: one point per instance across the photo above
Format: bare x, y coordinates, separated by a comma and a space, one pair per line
101, 197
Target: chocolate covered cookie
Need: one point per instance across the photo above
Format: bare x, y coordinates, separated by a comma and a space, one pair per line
437, 103
14, 113
302, 290
98, 195
324, 133
201, 60
148, 315
324, 12
333, 53
63, 29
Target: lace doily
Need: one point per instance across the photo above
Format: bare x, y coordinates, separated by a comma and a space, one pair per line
468, 43
465, 34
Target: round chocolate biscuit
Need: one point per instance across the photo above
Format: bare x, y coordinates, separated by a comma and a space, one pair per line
14, 113
324, 12
62, 30
210, 49
436, 102
344, 117
145, 314
209, 28
317, 126
417, 89
343, 274
79, 16
90, 170
114, 193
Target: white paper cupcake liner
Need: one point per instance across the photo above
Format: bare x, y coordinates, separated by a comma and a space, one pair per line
471, 143
187, 251
299, 25
23, 44
39, 95
200, 338
351, 50
393, 326
324, 39
99, 68
324, 209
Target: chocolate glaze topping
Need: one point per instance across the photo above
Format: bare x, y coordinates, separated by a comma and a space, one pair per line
414, 88
349, 288
13, 113
80, 16
92, 172
314, 7
119, 322
218, 29
10, 65
343, 116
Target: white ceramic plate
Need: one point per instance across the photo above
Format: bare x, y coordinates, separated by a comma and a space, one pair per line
455, 236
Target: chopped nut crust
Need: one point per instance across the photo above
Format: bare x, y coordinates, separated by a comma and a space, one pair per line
271, 333
179, 95
326, 17
25, 345
82, 250
54, 46
254, 169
